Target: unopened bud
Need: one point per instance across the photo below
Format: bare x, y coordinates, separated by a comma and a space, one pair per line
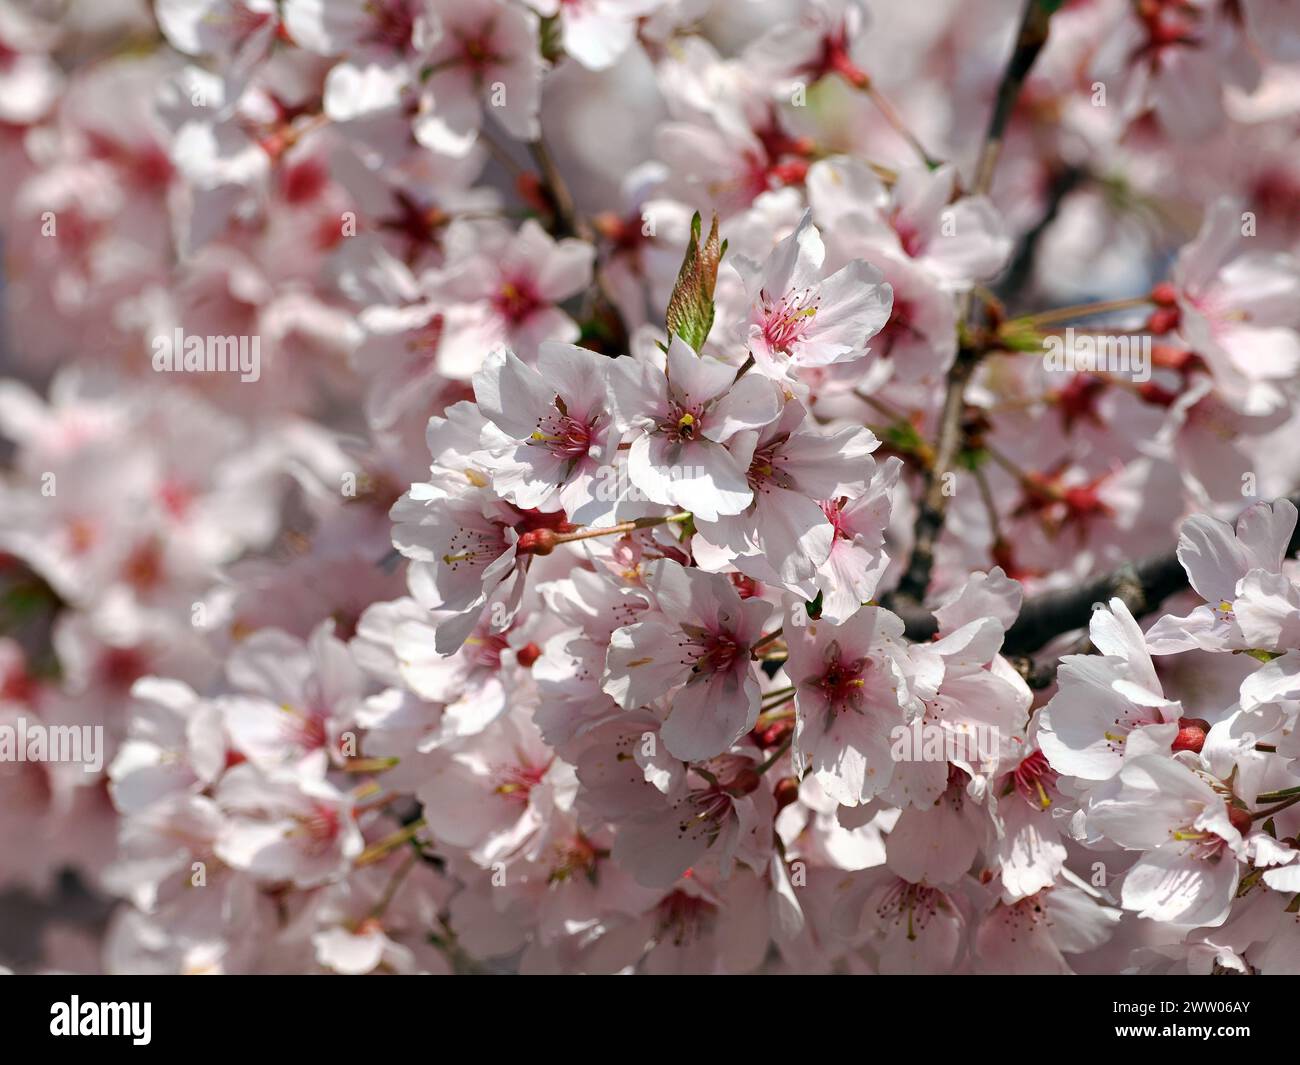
1168, 357
1191, 734
785, 792
533, 193
1162, 320
1156, 395
537, 542
1164, 295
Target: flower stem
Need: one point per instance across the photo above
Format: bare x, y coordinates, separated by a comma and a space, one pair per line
1261, 814
381, 848
391, 889
896, 123
1274, 796
622, 527
369, 765
776, 756
1079, 310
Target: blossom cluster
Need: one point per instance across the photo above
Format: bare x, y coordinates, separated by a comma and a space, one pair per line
576, 487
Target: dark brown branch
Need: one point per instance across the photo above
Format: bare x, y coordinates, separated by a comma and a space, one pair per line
569, 222
1143, 586
934, 503
1030, 39
1064, 182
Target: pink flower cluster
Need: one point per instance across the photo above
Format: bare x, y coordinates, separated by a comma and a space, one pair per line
460, 556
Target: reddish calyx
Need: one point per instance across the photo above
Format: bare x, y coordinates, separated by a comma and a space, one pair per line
1164, 318
539, 532
1078, 400
537, 542
624, 232
785, 792
1061, 505
1240, 819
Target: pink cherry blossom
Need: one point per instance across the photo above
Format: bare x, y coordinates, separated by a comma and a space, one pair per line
699, 635
798, 318
651, 487
687, 419
852, 689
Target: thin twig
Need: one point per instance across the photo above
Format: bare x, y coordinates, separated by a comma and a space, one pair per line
571, 223
1030, 39
1143, 586
930, 517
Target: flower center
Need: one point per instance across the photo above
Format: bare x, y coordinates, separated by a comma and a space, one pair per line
1032, 778
563, 435
392, 23
320, 827
908, 236
472, 547
843, 682
913, 903
515, 783
834, 511
477, 52
682, 424
764, 469
486, 648
516, 300
684, 917
787, 321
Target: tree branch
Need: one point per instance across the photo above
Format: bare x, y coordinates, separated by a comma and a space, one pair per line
1143, 586
934, 504
569, 222
1030, 39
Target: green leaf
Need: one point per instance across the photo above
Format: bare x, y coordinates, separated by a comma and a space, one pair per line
690, 310
1261, 654
814, 607
902, 436
1018, 336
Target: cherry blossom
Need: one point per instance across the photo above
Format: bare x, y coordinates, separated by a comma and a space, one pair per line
650, 487
687, 419
852, 688
700, 632
799, 319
